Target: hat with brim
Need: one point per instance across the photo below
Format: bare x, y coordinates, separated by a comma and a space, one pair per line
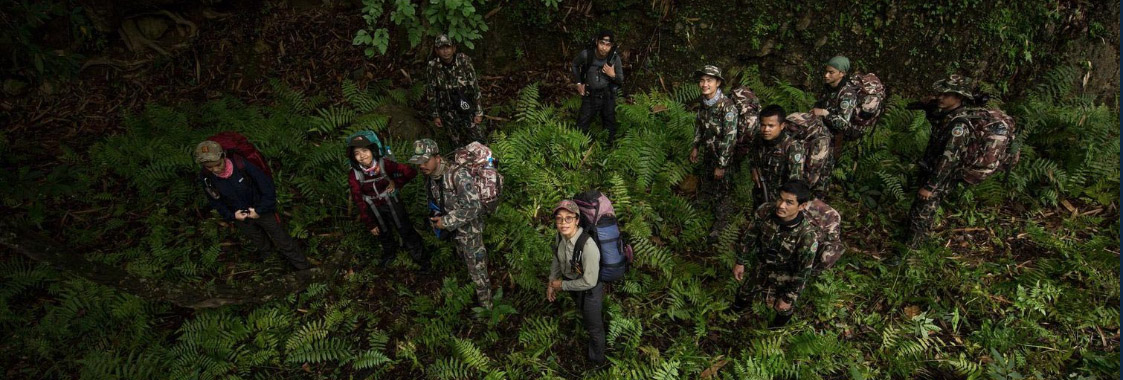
955, 84
423, 150
208, 151
359, 142
442, 40
710, 70
567, 205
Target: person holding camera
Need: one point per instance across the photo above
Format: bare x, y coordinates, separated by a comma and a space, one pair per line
457, 210
598, 72
454, 93
243, 194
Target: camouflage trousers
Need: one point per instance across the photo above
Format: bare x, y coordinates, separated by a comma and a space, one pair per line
771, 287
461, 130
820, 164
921, 216
923, 213
470, 246
718, 193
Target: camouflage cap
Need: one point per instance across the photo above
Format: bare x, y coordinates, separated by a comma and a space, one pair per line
442, 40
956, 84
422, 150
567, 205
208, 151
710, 70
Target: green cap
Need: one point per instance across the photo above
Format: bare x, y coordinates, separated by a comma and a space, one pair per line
208, 151
956, 84
423, 150
840, 63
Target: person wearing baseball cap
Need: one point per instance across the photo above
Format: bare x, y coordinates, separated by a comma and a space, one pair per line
243, 194
574, 269
456, 210
454, 93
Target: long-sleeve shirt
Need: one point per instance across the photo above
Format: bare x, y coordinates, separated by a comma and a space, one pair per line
447, 82
246, 187
590, 263
785, 253
841, 101
594, 79
715, 129
953, 133
775, 162
374, 185
460, 202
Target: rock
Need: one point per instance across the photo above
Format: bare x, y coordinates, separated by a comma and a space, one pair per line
404, 124
152, 27
14, 87
804, 22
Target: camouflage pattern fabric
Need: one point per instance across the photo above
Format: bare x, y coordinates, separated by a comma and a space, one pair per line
841, 102
773, 163
748, 117
715, 131
816, 139
827, 221
785, 256
939, 169
462, 214
454, 97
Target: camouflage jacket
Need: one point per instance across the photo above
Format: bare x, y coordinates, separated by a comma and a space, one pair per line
455, 192
775, 162
947, 146
447, 83
784, 254
841, 102
715, 129
827, 221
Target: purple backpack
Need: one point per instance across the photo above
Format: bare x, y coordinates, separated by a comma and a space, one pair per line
598, 218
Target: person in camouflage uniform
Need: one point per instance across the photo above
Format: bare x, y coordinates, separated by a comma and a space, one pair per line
459, 211
715, 134
837, 102
776, 158
940, 165
454, 93
816, 139
784, 243
827, 220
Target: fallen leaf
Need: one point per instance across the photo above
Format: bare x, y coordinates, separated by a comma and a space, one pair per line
912, 311
710, 372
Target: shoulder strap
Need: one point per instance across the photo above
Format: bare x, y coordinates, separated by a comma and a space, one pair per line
579, 249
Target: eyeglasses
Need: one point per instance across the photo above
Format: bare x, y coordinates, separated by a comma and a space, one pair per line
565, 219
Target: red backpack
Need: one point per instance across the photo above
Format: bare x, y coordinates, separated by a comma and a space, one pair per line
234, 142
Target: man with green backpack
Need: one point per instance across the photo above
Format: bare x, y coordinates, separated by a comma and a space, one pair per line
375, 179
